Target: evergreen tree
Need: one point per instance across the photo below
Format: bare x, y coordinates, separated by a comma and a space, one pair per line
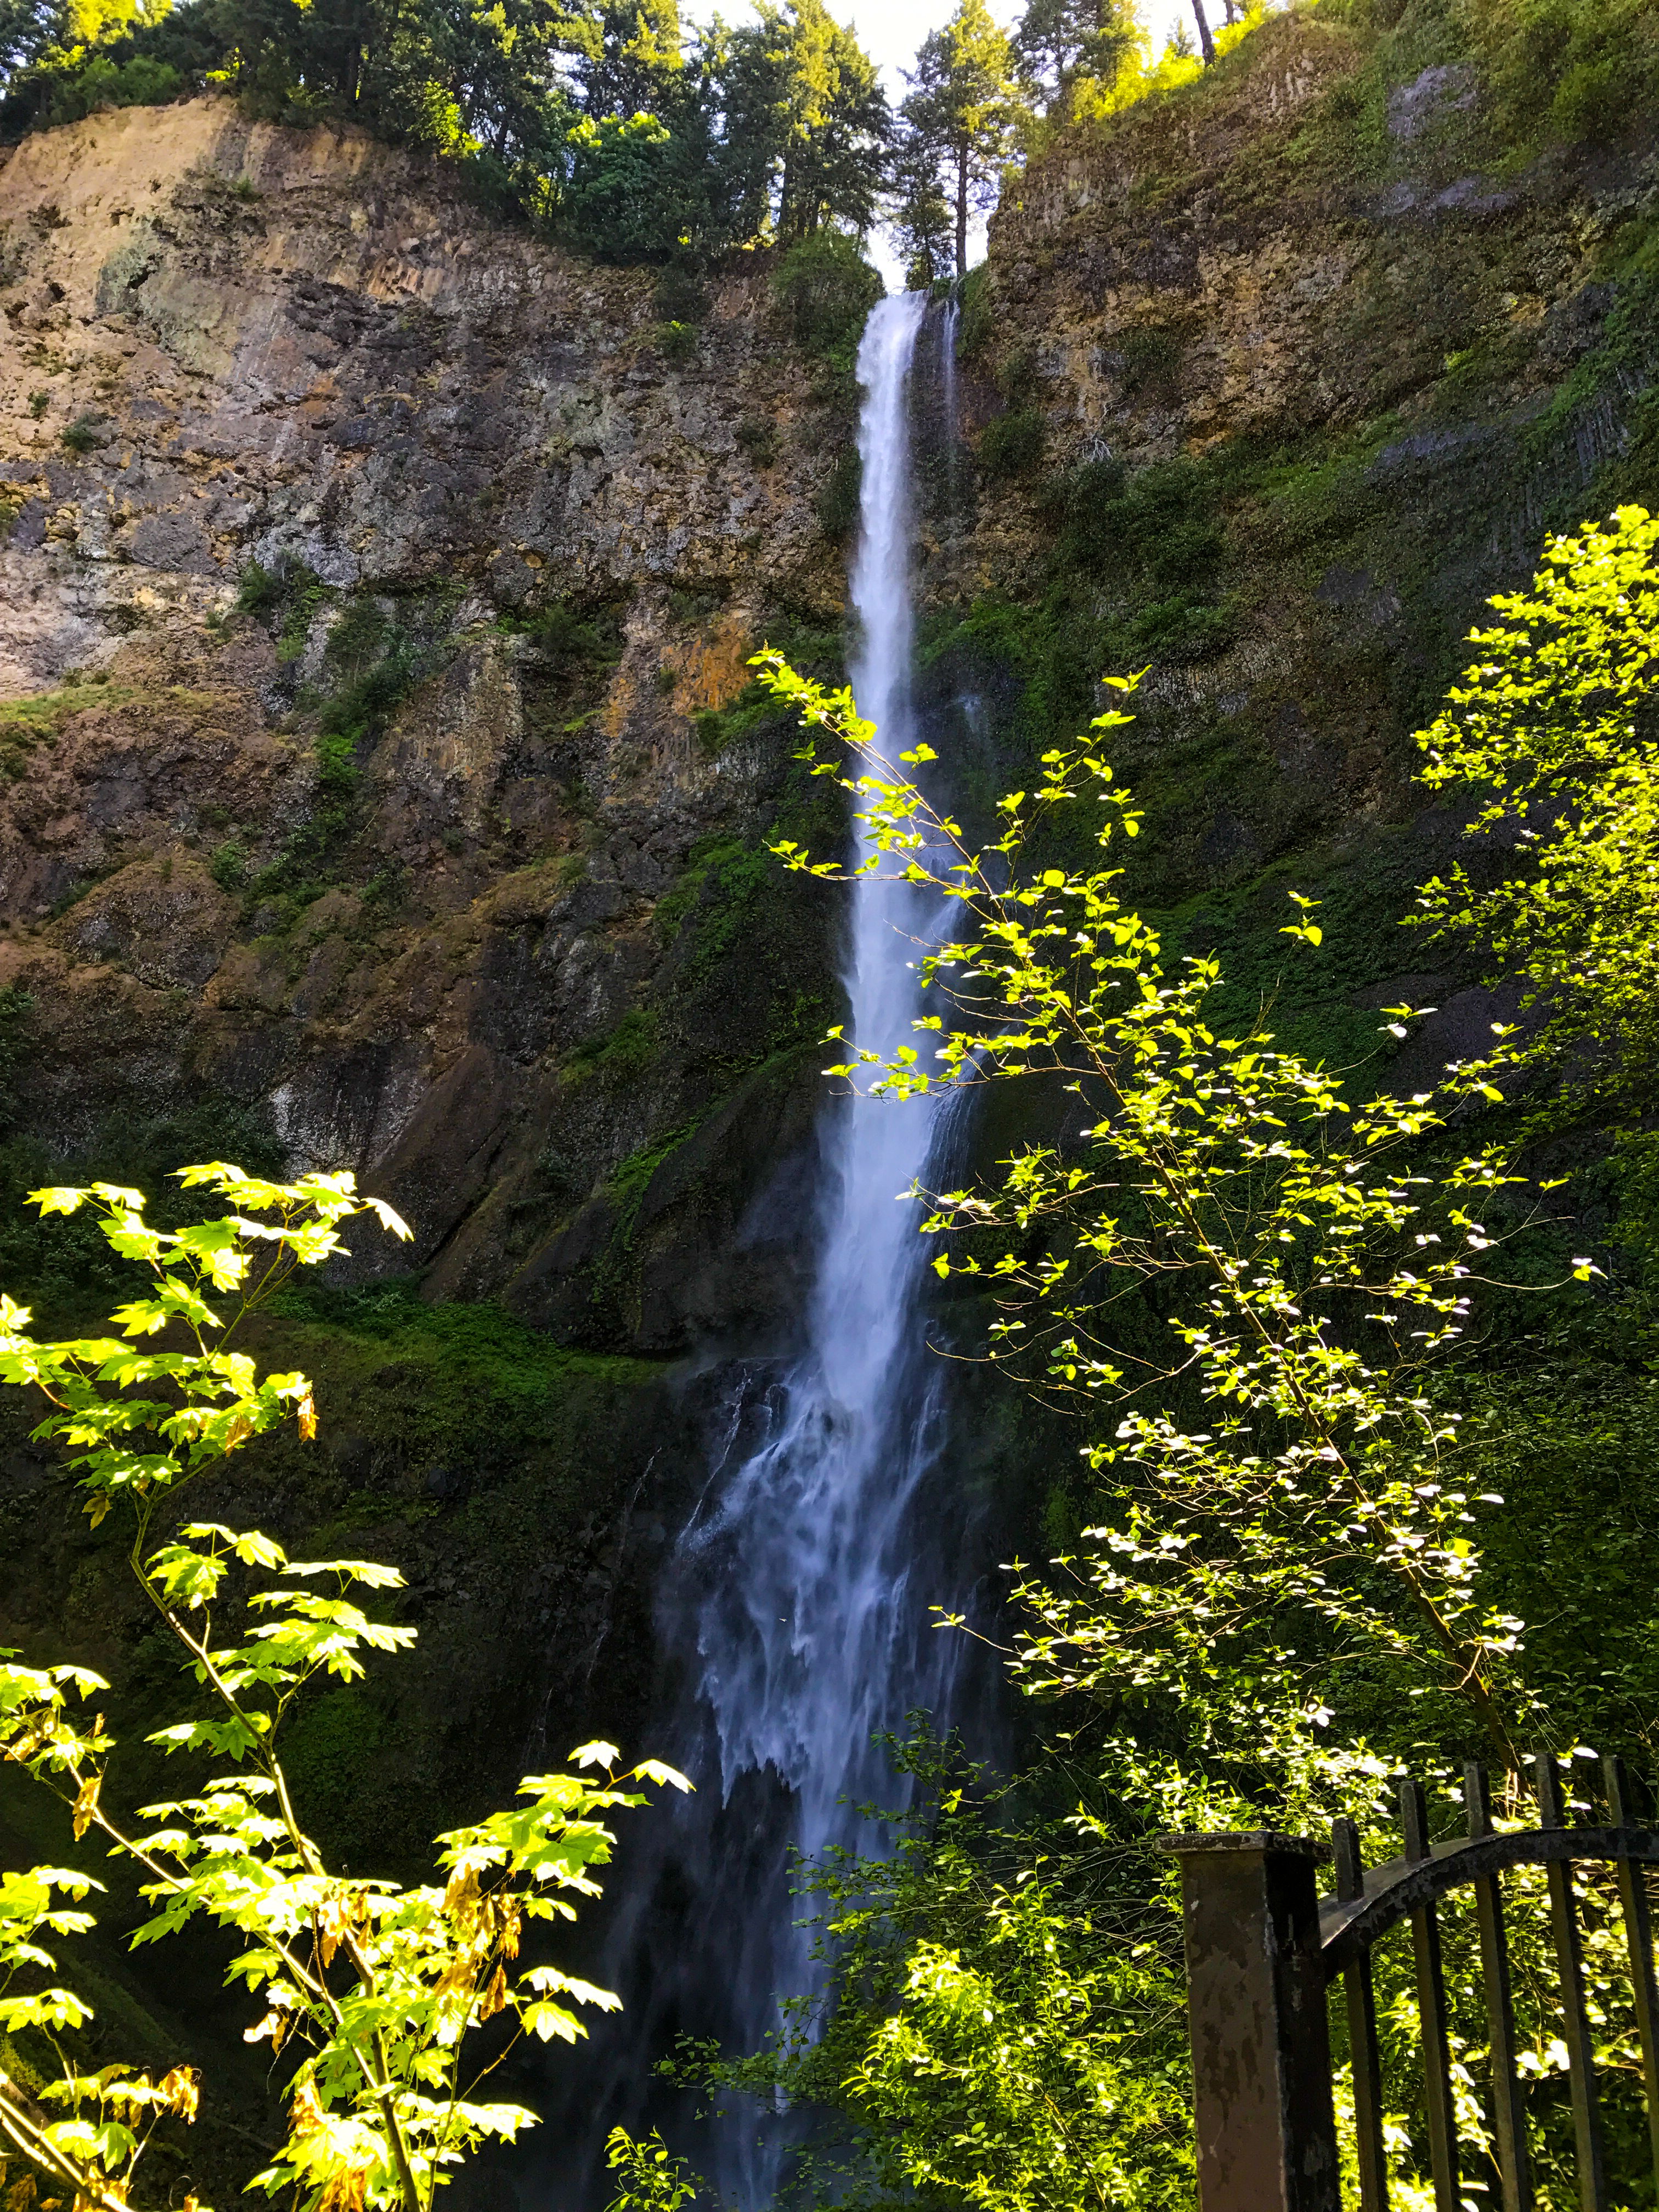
593, 115
804, 124
625, 56
838, 128
1058, 41
963, 107
918, 212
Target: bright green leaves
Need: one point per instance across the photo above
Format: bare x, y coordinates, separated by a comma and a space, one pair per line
138, 1446
95, 2150
1292, 1272
1545, 742
1011, 2070
379, 1985
1308, 930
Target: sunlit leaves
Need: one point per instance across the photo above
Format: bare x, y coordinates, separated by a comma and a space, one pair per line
1305, 1268
1547, 745
379, 1986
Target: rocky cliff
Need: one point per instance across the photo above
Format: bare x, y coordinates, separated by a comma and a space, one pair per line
1271, 383
380, 790
294, 442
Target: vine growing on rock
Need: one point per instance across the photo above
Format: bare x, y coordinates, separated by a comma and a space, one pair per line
380, 1987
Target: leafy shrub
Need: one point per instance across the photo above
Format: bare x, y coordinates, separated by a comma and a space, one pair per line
1077, 509
303, 593
624, 201
228, 866
83, 433
336, 767
677, 342
355, 642
1012, 444
827, 289
1594, 100
1580, 69
1152, 363
758, 439
978, 320
562, 635
837, 504
259, 589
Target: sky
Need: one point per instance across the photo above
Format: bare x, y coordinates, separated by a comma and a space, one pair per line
889, 31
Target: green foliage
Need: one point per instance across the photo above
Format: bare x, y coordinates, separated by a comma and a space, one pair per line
978, 322
1581, 70
259, 590
1335, 1467
960, 117
336, 772
302, 598
1307, 1514
379, 1985
999, 2027
709, 910
601, 122
228, 866
624, 193
1011, 445
417, 1375
141, 81
1015, 2084
84, 434
826, 290
1550, 737
837, 505
1059, 41
648, 2179
624, 1054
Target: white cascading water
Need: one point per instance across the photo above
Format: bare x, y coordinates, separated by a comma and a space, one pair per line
798, 1600
814, 1633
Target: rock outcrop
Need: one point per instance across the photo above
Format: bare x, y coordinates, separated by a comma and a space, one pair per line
293, 374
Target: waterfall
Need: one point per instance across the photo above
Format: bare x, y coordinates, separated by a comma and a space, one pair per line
798, 1598
815, 1636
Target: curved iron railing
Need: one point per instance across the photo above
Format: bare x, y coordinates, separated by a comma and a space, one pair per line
1262, 1950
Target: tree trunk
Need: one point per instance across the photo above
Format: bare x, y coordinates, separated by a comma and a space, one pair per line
1204, 37
962, 210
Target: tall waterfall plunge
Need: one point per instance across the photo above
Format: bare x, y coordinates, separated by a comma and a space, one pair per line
811, 1633
798, 1599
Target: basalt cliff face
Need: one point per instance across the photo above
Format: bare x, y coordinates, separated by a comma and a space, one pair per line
1272, 384
375, 797
432, 947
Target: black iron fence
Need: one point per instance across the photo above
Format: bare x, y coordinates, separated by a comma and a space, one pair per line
1263, 1949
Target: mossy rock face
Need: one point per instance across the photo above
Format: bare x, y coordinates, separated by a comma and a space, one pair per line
1322, 346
